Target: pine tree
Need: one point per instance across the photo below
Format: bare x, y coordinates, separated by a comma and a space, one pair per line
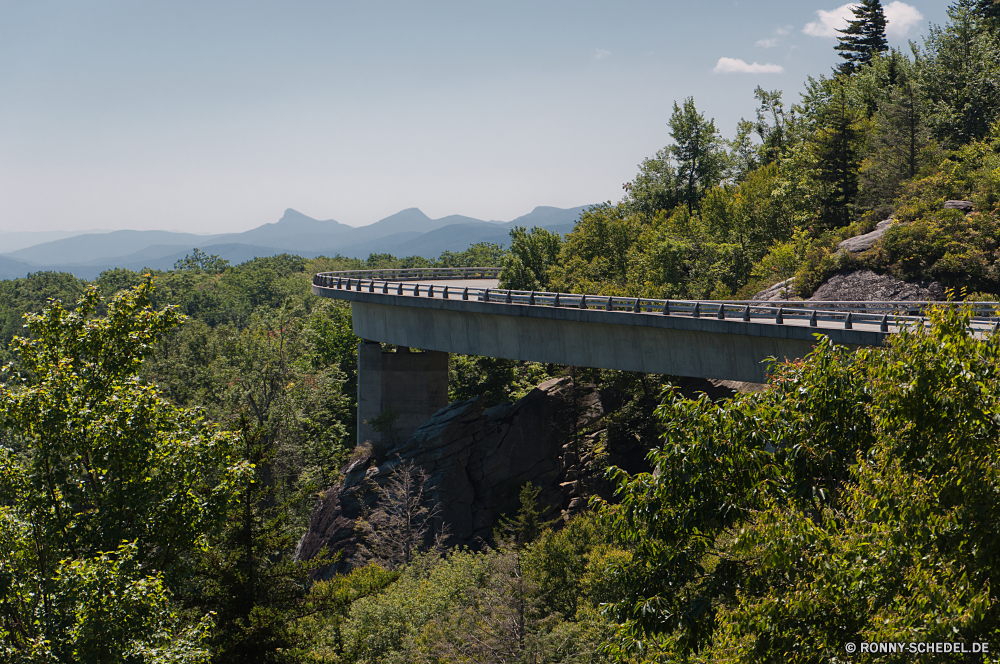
864, 37
835, 152
988, 10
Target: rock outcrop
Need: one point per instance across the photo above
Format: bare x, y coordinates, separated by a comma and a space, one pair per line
860, 243
477, 462
779, 292
866, 286
964, 206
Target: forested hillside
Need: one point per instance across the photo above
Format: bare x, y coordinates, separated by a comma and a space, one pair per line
167, 434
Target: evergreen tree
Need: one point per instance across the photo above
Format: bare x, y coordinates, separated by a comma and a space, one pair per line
897, 148
836, 154
959, 71
864, 37
989, 9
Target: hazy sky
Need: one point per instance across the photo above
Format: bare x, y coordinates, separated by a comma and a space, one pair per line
216, 116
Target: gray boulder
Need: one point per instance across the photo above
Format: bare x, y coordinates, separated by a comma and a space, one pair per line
780, 291
964, 206
860, 243
866, 286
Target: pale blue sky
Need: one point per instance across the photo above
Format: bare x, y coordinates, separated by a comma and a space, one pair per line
216, 116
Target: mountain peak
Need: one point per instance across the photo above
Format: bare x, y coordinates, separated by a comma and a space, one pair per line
294, 215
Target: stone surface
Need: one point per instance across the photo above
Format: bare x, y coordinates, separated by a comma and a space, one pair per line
477, 461
860, 243
964, 206
781, 291
866, 286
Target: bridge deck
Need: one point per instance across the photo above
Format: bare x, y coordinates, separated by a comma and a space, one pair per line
729, 340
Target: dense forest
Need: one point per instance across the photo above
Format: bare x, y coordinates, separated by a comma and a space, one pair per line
166, 434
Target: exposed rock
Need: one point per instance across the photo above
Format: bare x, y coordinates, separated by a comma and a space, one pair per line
477, 462
860, 243
779, 291
715, 389
964, 206
866, 286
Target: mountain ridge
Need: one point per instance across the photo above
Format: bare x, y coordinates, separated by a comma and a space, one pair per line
408, 232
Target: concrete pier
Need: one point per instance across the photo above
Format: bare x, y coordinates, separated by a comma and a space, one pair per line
401, 386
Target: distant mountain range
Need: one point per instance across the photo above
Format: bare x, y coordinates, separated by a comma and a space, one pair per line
406, 233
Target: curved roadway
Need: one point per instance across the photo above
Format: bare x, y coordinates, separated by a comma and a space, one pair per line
459, 310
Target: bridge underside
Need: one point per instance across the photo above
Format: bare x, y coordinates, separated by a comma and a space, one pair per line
413, 386
681, 351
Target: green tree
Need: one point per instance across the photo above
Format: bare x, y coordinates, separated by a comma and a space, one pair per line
595, 256
959, 69
898, 147
655, 186
199, 260
773, 123
851, 501
247, 578
112, 486
835, 149
864, 37
697, 150
531, 254
988, 10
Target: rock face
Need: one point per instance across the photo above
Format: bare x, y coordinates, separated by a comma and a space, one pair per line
477, 462
860, 243
866, 286
778, 292
964, 206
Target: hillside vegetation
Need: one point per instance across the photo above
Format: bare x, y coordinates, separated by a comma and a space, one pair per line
165, 434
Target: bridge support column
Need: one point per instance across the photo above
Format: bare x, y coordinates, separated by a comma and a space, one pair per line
403, 389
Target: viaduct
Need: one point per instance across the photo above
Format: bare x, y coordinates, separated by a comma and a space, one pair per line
460, 310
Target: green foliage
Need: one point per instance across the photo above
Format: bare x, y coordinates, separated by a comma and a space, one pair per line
595, 256
834, 150
524, 527
246, 576
495, 380
380, 627
531, 254
330, 602
900, 145
852, 501
697, 150
959, 68
654, 188
32, 293
774, 131
117, 279
112, 489
199, 260
481, 254
537, 604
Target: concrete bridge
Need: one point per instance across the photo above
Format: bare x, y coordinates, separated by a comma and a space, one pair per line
460, 310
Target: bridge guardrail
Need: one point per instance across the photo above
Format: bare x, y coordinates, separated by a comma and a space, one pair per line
986, 315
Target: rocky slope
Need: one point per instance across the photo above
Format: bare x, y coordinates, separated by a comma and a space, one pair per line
865, 285
477, 461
